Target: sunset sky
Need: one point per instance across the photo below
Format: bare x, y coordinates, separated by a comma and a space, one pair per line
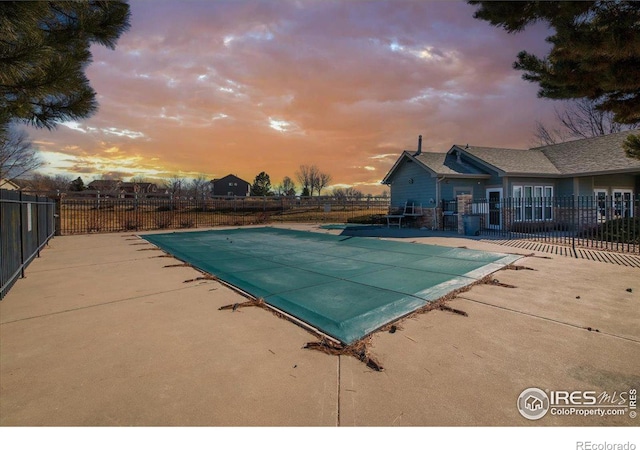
219, 87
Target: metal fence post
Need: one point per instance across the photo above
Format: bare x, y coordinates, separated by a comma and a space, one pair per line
573, 222
20, 205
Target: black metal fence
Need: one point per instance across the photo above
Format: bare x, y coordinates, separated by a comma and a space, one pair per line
95, 213
26, 225
603, 221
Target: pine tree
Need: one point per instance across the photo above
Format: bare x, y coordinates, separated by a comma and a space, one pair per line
595, 53
261, 185
77, 185
595, 50
44, 50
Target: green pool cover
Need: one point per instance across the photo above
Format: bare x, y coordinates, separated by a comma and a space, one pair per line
347, 287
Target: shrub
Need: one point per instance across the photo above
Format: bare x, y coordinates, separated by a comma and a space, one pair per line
163, 220
539, 227
130, 224
186, 222
368, 219
262, 217
93, 225
625, 230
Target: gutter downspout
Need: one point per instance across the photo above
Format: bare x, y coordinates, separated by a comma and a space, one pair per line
435, 208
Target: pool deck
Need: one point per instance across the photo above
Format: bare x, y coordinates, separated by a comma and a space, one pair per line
102, 333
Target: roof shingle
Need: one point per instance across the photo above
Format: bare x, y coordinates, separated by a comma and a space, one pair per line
511, 160
599, 154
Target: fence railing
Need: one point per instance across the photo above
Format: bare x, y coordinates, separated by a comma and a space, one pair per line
605, 222
26, 224
94, 213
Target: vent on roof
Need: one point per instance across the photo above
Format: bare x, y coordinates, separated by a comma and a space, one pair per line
419, 146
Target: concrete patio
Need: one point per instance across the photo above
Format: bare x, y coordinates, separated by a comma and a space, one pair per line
102, 333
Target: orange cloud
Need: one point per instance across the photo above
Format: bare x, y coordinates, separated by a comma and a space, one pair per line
241, 87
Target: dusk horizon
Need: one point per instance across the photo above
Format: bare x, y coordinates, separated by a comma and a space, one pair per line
214, 88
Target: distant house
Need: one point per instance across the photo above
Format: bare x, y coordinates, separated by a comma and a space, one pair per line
596, 167
130, 189
8, 184
230, 186
105, 186
122, 189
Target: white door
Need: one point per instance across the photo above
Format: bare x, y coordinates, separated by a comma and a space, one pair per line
601, 203
494, 209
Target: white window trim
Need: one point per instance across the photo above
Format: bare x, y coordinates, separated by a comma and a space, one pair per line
624, 206
527, 207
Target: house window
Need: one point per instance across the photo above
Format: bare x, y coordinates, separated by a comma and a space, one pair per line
623, 202
548, 202
517, 203
601, 203
532, 203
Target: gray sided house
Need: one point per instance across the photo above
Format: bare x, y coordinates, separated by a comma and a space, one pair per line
230, 186
532, 181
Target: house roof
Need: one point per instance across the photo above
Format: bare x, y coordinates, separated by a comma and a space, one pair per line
511, 160
215, 180
447, 164
592, 156
438, 164
132, 184
9, 184
104, 184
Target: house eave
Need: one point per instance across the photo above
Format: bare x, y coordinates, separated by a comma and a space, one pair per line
476, 176
631, 171
533, 175
478, 161
409, 157
572, 174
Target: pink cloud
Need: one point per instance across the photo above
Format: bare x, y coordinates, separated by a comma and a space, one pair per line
203, 81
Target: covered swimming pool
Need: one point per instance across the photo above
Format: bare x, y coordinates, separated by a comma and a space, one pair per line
346, 287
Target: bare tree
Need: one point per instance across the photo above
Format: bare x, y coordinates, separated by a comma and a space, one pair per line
347, 193
312, 179
42, 183
175, 185
140, 179
17, 155
580, 120
198, 186
306, 176
321, 181
287, 187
